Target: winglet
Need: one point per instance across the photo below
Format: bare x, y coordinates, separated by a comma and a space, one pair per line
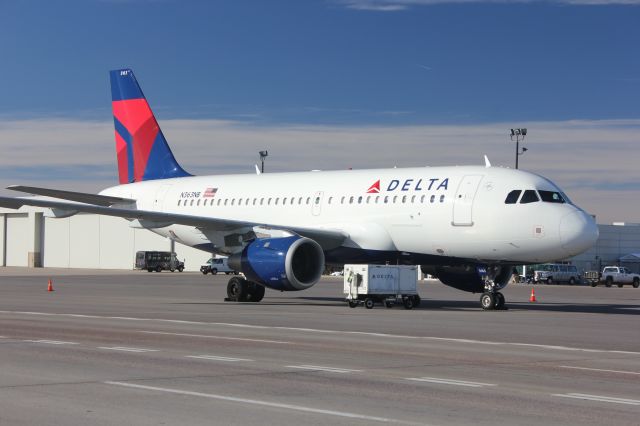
487, 163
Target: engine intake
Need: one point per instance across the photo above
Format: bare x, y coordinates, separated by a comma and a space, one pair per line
287, 264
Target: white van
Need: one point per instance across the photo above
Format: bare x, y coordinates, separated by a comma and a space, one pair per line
217, 264
556, 273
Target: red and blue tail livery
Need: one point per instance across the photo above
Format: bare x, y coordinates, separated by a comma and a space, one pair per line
142, 151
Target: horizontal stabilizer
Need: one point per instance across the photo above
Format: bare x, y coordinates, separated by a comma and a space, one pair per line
81, 197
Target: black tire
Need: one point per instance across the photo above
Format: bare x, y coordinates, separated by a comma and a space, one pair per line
204, 272
237, 289
180, 269
594, 284
572, 281
636, 283
416, 301
214, 271
488, 301
368, 303
158, 268
408, 302
172, 270
608, 282
620, 285
500, 301
549, 280
149, 269
255, 292
227, 273
353, 303
235, 272
388, 304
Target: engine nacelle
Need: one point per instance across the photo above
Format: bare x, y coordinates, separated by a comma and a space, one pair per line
287, 264
470, 277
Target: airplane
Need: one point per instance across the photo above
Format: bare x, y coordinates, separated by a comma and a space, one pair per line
466, 225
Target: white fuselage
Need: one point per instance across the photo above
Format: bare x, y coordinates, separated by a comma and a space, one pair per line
454, 212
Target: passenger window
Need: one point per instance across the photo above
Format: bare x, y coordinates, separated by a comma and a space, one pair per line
404, 198
432, 199
317, 200
368, 198
261, 201
300, 200
239, 201
277, 199
395, 198
254, 201
308, 200
191, 203
512, 197
359, 200
179, 202
563, 268
284, 201
377, 199
342, 200
269, 201
442, 198
225, 201
330, 198
350, 200
233, 201
529, 196
413, 199
246, 202
422, 199
219, 201
386, 199
551, 197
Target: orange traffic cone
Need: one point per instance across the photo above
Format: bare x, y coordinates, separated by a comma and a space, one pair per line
50, 287
533, 296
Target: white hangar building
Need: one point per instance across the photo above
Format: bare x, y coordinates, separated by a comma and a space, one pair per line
29, 239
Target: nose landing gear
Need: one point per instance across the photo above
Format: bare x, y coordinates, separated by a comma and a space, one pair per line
492, 300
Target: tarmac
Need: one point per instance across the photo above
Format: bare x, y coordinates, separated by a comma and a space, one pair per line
131, 347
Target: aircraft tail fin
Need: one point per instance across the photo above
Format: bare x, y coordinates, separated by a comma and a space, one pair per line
141, 149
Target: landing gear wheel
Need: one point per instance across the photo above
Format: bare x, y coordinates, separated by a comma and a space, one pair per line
488, 301
236, 290
500, 301
368, 303
388, 304
353, 303
254, 293
408, 302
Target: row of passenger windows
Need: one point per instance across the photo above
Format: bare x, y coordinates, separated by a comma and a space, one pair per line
531, 196
370, 199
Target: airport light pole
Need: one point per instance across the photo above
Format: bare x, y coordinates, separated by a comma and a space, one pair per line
263, 156
518, 135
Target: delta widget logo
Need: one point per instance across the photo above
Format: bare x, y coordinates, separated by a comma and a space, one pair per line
432, 184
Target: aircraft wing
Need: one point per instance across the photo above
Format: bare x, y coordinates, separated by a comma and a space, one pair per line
82, 197
327, 238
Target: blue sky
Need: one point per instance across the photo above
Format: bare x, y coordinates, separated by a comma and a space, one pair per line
360, 61
330, 84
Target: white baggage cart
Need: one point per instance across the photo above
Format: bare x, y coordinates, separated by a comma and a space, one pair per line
385, 284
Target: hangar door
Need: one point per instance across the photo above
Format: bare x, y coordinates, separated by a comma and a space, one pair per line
463, 201
18, 235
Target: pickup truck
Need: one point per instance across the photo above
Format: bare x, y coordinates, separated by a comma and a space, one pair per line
613, 275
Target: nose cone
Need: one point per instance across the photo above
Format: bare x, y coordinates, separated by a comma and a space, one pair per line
578, 232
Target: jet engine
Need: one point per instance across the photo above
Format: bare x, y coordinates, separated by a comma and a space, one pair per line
286, 264
470, 278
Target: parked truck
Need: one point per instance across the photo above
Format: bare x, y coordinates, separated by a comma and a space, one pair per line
611, 275
385, 284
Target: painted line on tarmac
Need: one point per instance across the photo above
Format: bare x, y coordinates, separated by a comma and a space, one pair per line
600, 369
218, 358
450, 382
51, 342
262, 403
207, 336
337, 332
126, 349
598, 398
324, 368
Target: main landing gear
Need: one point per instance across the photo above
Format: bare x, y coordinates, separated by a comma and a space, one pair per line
492, 300
241, 290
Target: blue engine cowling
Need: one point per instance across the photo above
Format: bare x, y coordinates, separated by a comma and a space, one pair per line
287, 264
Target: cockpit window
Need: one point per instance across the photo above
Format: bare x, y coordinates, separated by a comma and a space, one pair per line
512, 198
551, 197
529, 196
